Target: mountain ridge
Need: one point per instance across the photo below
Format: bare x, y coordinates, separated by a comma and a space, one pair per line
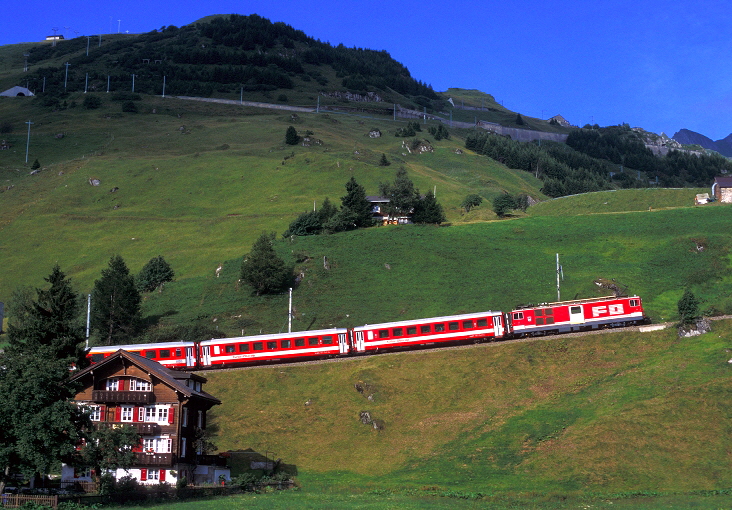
689, 137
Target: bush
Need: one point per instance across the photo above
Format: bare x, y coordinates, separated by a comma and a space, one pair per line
92, 102
129, 107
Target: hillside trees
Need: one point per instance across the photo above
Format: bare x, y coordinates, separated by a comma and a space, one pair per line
406, 201
116, 312
291, 136
355, 200
153, 274
263, 269
471, 201
688, 307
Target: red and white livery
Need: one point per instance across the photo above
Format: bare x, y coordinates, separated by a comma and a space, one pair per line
578, 315
453, 328
266, 348
169, 354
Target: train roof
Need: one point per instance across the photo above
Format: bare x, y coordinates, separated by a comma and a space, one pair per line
573, 302
275, 336
429, 319
140, 347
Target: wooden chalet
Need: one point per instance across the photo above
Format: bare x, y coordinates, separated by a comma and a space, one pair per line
167, 408
722, 189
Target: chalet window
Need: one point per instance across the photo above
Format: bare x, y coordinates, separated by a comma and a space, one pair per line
127, 413
140, 385
95, 413
258, 346
271, 346
185, 418
425, 329
299, 342
156, 445
183, 446
412, 330
453, 326
482, 323
243, 347
230, 348
112, 384
396, 332
153, 474
150, 354
467, 324
327, 340
383, 333
439, 328
150, 414
312, 341
198, 386
165, 353
200, 419
162, 414
285, 344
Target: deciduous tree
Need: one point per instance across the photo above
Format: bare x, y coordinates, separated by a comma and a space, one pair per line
153, 274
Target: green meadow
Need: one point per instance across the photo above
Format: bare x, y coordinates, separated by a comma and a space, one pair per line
606, 420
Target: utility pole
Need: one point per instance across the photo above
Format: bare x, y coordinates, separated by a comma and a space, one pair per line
27, 144
289, 314
163, 86
66, 76
88, 316
133, 83
559, 272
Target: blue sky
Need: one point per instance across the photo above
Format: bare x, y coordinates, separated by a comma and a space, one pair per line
659, 65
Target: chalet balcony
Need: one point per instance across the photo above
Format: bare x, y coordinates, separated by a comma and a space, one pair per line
154, 459
144, 429
125, 397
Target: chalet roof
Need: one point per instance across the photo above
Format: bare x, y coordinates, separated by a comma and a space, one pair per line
723, 182
376, 198
174, 379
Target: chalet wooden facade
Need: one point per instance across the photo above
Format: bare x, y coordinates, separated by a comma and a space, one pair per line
167, 408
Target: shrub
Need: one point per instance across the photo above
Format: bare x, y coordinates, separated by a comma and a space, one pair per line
92, 102
129, 107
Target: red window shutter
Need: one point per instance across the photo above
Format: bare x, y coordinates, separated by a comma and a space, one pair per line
143, 475
171, 412
135, 414
118, 414
138, 448
102, 413
121, 385
162, 475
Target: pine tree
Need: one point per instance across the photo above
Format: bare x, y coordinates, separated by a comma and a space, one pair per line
428, 210
116, 313
401, 194
688, 307
263, 270
291, 136
355, 201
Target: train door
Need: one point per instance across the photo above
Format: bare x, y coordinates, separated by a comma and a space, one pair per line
497, 326
206, 355
343, 343
576, 315
190, 358
360, 344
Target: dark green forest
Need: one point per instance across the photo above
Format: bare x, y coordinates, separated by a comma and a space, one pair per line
225, 55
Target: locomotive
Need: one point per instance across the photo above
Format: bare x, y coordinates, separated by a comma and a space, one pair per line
523, 321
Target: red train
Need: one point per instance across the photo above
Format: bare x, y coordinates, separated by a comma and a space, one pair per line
543, 319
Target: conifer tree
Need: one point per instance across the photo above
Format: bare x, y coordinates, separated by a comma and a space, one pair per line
116, 313
263, 269
428, 210
355, 201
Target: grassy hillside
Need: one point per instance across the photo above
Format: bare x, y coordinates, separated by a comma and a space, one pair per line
599, 414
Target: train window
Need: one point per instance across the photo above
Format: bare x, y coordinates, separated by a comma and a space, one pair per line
271, 346
96, 358
412, 330
284, 344
482, 323
517, 316
299, 342
178, 353
575, 309
425, 329
548, 311
540, 321
312, 341
453, 326
467, 324
165, 353
397, 332
439, 327
634, 302
258, 346
327, 340
243, 347
383, 333
230, 348
150, 354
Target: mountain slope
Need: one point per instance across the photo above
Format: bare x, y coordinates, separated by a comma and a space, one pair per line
688, 137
